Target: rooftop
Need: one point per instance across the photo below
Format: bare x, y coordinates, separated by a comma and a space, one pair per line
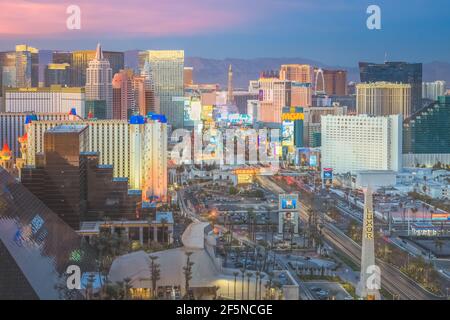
164, 215
65, 128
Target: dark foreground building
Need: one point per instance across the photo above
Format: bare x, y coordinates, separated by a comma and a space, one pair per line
71, 182
36, 247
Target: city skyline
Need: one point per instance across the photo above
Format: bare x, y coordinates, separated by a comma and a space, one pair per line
334, 34
140, 162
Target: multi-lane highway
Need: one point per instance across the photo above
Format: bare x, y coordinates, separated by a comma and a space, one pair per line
392, 279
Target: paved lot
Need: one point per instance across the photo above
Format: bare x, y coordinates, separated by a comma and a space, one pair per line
334, 290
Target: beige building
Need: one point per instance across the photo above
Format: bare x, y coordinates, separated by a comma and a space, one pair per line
188, 77
275, 94
55, 99
383, 98
297, 72
136, 151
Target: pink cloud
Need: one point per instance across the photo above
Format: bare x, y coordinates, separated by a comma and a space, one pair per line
47, 18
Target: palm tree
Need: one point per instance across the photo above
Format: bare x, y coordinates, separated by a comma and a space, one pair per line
235, 274
249, 275
242, 283
90, 286
163, 230
438, 244
127, 286
251, 217
154, 273
261, 276
257, 274
187, 270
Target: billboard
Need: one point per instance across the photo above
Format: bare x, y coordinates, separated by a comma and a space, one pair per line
307, 157
192, 110
288, 130
327, 175
207, 113
237, 118
313, 160
288, 208
288, 202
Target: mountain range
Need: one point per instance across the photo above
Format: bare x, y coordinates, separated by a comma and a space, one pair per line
208, 70
216, 71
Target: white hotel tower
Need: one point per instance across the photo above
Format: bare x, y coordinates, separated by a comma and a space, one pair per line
99, 81
358, 143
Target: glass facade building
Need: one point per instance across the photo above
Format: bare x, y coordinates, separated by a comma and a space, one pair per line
427, 131
80, 61
396, 72
36, 247
167, 70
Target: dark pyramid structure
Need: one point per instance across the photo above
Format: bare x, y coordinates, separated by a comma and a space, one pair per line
36, 247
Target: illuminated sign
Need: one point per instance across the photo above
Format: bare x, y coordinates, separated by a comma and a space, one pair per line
328, 173
246, 171
368, 225
207, 113
237, 118
440, 216
292, 116
313, 160
288, 130
192, 110
288, 202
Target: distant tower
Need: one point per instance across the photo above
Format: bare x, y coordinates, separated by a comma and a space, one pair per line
370, 278
230, 98
99, 81
322, 90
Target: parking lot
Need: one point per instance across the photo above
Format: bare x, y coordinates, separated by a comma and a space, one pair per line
323, 290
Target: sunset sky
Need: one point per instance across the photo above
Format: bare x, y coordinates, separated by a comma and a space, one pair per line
331, 31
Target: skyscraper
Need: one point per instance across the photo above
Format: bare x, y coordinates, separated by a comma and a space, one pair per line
60, 183
426, 134
71, 182
135, 148
396, 72
55, 99
356, 143
12, 125
230, 98
301, 94
57, 73
151, 100
334, 82
123, 96
433, 90
167, 68
297, 72
27, 66
383, 98
188, 76
99, 81
19, 68
274, 94
80, 62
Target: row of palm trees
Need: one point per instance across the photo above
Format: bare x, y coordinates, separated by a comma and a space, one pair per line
271, 286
